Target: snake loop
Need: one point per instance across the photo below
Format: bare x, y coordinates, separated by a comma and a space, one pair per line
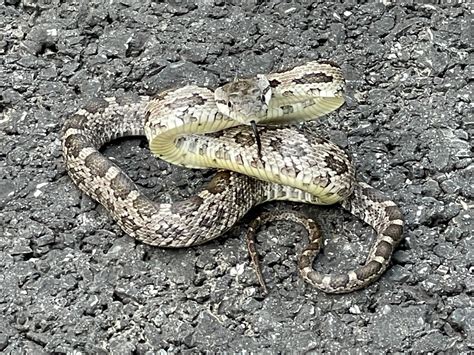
197, 128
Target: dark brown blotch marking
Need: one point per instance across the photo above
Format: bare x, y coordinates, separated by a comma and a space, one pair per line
122, 186
374, 194
312, 78
193, 100
395, 232
287, 109
75, 121
241, 86
142, 203
217, 134
305, 260
393, 213
96, 105
74, 143
245, 139
125, 220
274, 83
372, 268
219, 182
316, 235
384, 250
329, 62
187, 206
314, 246
335, 164
98, 164
339, 281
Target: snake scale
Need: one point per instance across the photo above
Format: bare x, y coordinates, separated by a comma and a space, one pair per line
198, 128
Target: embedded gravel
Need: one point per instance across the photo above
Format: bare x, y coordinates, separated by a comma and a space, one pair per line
70, 280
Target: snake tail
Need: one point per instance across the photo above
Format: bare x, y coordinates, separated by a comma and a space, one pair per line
385, 218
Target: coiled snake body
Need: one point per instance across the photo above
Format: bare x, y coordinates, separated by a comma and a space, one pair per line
293, 165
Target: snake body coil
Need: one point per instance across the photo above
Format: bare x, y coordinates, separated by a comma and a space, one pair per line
192, 127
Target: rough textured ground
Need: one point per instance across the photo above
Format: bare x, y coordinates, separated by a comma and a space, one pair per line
71, 280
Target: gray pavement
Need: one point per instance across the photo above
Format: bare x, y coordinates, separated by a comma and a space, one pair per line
70, 280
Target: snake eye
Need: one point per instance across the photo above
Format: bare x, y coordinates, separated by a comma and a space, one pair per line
229, 104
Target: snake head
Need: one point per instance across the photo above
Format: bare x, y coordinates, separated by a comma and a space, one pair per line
244, 100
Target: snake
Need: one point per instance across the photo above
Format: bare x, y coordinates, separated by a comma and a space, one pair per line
201, 128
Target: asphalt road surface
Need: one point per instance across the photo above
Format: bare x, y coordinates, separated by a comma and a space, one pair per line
70, 280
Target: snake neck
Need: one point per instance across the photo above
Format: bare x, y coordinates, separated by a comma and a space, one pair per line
196, 135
